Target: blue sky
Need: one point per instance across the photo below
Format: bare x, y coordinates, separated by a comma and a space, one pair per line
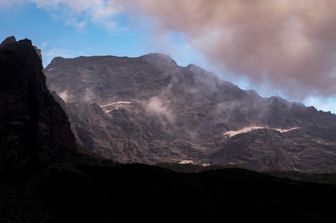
56, 38
60, 32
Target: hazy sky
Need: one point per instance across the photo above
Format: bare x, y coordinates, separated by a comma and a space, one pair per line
285, 48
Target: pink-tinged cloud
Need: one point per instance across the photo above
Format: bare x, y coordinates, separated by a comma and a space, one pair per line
288, 44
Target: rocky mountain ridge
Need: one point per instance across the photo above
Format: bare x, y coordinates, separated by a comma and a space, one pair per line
150, 110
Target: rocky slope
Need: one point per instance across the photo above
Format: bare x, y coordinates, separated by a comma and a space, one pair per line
151, 110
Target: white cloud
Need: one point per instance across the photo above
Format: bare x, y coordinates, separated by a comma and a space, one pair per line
298, 36
89, 95
156, 106
65, 96
77, 13
11, 3
98, 9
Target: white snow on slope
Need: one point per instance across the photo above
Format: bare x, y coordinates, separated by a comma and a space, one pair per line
114, 106
253, 128
116, 103
185, 162
286, 130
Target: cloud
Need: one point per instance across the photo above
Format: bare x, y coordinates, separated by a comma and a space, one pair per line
287, 44
98, 9
156, 106
65, 96
77, 13
11, 3
89, 95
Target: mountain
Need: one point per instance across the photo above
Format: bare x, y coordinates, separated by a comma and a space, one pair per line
44, 178
150, 110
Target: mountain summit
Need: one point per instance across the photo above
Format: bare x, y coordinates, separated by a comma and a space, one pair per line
150, 110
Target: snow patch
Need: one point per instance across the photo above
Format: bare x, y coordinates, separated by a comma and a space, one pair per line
107, 108
286, 130
116, 103
186, 162
242, 131
231, 134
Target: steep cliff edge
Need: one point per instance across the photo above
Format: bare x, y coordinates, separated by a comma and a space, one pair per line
34, 130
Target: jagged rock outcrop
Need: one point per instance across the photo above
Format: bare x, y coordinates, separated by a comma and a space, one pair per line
150, 110
34, 130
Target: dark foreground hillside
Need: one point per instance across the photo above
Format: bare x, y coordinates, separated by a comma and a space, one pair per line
100, 193
44, 179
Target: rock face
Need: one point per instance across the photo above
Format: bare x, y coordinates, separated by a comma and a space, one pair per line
34, 130
150, 110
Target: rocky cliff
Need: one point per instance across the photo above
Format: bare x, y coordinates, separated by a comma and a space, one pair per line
150, 110
34, 130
